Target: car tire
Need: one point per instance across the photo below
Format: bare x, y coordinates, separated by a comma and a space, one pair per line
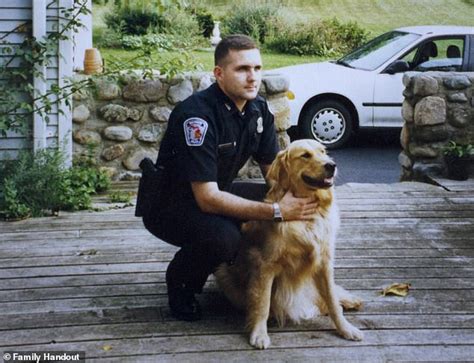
328, 122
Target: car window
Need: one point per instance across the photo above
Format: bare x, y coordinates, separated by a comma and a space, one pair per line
445, 54
376, 52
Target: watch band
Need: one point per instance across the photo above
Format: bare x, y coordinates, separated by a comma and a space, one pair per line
277, 216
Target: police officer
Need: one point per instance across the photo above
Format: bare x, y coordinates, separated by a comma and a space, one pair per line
210, 136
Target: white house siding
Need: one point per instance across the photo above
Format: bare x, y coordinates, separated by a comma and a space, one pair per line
13, 13
42, 16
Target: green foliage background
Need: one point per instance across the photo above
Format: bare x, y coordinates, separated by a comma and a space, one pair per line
374, 16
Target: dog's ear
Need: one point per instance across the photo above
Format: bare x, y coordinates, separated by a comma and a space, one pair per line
278, 172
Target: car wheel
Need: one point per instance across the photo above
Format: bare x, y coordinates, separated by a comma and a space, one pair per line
328, 122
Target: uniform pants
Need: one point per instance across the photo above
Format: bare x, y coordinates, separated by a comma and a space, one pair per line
206, 240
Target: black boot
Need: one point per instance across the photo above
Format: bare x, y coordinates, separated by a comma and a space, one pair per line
183, 304
181, 298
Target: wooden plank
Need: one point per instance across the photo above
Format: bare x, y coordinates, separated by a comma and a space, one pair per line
7, 25
401, 196
19, 4
83, 262
9, 155
68, 246
406, 215
12, 252
139, 254
428, 302
14, 144
458, 211
16, 13
232, 321
15, 63
71, 242
139, 289
147, 323
375, 220
138, 277
282, 340
331, 354
13, 38
357, 232
457, 267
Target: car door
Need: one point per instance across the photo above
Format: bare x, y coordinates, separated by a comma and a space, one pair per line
434, 54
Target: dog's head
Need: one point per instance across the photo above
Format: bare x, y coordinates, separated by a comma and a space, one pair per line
304, 168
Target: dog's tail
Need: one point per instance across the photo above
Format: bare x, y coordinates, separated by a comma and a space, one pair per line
231, 284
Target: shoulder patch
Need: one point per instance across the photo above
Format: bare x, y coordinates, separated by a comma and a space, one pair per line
195, 131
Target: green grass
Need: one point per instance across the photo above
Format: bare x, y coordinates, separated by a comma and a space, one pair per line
377, 16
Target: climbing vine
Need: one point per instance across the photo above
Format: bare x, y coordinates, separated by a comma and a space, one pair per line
23, 63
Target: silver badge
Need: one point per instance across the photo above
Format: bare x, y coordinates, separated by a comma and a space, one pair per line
260, 125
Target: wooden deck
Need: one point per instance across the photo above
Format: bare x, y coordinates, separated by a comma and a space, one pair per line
94, 282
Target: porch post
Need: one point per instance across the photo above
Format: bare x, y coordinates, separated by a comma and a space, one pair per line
39, 31
65, 73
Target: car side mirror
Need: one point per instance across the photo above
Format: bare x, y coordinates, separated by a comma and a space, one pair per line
397, 67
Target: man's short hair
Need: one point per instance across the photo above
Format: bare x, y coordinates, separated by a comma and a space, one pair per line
232, 42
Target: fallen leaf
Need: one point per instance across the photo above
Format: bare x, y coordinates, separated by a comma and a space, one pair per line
107, 348
397, 289
91, 252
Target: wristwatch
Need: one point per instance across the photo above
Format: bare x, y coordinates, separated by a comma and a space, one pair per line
277, 216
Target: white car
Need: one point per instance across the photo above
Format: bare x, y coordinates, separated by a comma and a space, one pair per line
332, 100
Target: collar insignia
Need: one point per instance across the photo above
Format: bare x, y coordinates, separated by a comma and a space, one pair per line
260, 125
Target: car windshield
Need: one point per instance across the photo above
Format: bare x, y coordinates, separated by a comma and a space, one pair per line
376, 52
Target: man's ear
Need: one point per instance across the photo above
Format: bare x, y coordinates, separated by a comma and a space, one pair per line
278, 172
218, 72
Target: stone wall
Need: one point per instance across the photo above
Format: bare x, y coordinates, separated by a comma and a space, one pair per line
126, 123
438, 107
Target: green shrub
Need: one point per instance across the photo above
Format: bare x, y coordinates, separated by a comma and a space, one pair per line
344, 36
38, 182
12, 206
120, 197
253, 19
458, 150
179, 22
127, 24
108, 38
167, 42
327, 38
205, 21
134, 20
34, 180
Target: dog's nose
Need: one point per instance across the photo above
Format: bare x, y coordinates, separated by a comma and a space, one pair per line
330, 168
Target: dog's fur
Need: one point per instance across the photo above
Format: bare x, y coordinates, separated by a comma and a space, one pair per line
286, 269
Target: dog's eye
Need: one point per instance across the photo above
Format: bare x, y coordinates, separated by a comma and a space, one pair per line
306, 155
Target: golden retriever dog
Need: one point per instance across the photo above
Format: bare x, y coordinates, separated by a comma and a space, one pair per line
286, 269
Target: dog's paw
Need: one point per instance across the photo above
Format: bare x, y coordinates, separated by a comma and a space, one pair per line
259, 340
347, 300
350, 332
351, 304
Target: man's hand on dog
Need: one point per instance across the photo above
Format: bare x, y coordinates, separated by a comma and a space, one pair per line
293, 208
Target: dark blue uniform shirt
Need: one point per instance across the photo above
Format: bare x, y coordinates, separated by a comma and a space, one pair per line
208, 139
